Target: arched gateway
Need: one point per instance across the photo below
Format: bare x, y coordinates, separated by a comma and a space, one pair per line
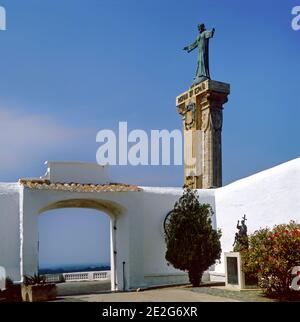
111, 208
136, 214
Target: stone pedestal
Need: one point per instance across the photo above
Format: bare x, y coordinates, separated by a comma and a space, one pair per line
234, 276
201, 108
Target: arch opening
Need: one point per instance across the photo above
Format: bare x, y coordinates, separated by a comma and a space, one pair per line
109, 207
73, 237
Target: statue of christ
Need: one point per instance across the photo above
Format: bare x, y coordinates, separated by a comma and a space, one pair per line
202, 42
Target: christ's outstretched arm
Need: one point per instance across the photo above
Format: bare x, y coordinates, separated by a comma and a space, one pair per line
191, 47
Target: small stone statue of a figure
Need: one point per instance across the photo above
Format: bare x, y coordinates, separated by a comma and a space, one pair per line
202, 42
241, 237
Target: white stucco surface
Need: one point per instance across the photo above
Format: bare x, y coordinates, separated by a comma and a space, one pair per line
137, 237
266, 198
79, 172
156, 204
10, 229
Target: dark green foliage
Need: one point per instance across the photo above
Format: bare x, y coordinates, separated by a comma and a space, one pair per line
271, 257
192, 244
36, 279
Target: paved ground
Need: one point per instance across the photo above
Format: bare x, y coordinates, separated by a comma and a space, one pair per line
81, 288
170, 294
226, 294
100, 292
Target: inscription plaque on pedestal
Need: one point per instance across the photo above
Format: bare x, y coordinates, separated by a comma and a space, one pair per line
232, 271
234, 276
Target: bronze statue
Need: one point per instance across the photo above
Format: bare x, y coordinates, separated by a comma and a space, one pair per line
202, 42
241, 237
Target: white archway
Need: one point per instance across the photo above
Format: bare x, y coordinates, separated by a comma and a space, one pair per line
72, 240
30, 244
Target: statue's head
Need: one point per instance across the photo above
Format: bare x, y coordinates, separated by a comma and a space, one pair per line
201, 27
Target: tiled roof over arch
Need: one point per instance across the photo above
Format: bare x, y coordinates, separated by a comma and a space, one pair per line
42, 184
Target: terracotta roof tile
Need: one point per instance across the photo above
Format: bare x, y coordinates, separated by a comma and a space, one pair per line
43, 184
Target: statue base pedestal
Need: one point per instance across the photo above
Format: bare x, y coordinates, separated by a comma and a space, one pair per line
198, 80
201, 108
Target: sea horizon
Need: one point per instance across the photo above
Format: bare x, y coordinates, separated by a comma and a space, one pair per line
69, 268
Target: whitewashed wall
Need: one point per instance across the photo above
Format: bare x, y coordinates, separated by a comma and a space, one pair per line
10, 229
154, 206
139, 234
79, 172
267, 198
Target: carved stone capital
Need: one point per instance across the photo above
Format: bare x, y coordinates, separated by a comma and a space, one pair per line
212, 100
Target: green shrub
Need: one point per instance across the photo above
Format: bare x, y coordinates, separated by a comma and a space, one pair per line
272, 255
36, 279
192, 243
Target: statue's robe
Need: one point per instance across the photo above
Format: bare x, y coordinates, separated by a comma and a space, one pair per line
202, 42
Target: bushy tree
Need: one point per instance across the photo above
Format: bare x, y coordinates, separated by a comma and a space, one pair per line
272, 255
192, 243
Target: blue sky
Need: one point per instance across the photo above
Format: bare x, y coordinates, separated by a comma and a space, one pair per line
70, 68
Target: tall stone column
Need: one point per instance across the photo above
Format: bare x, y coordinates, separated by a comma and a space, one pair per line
201, 108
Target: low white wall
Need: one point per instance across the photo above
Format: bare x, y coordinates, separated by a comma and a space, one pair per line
166, 279
267, 198
10, 229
